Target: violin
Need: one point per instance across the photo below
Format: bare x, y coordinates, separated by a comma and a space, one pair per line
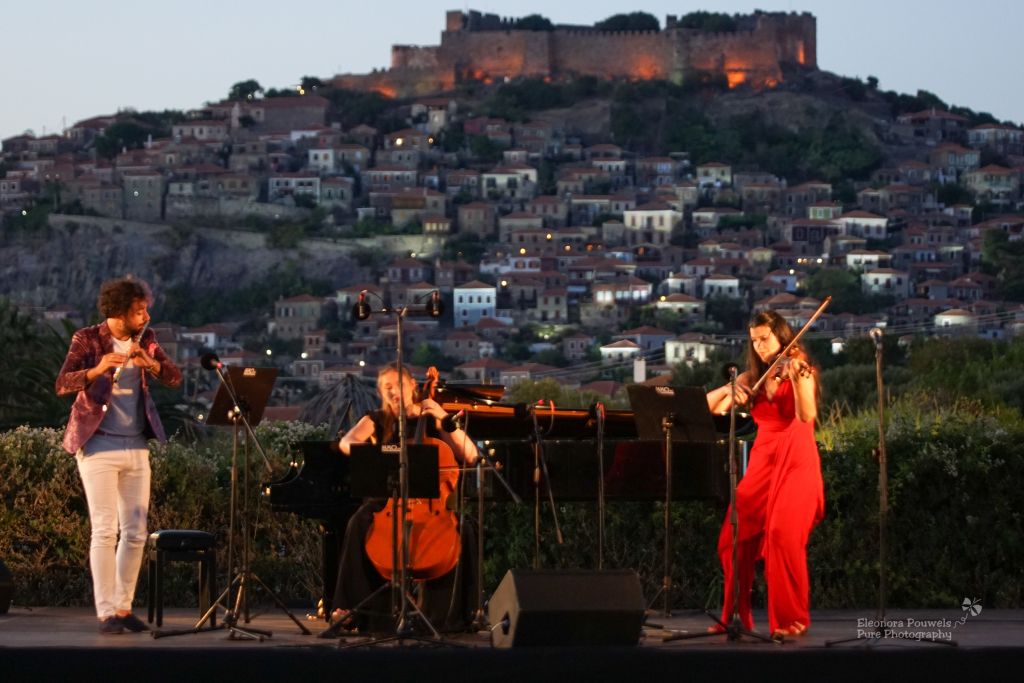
786, 353
434, 541
796, 357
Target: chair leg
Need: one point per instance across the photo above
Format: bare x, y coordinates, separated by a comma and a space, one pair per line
151, 576
211, 583
204, 588
159, 588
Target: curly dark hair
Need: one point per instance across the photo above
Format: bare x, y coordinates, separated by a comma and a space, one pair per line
117, 296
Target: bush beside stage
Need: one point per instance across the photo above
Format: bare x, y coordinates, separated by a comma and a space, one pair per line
955, 531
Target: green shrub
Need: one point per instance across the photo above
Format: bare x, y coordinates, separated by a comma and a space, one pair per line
44, 527
955, 529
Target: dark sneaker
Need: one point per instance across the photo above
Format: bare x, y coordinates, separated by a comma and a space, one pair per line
111, 626
133, 623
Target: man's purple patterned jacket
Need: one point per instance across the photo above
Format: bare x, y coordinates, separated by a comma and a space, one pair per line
88, 346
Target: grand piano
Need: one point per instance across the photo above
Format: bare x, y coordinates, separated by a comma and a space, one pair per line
509, 436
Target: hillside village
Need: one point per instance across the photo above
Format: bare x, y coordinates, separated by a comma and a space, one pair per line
558, 254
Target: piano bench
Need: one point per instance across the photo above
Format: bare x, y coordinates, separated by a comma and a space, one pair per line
181, 545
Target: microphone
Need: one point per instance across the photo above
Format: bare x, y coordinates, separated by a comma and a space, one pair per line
451, 422
876, 336
729, 371
361, 309
434, 306
210, 361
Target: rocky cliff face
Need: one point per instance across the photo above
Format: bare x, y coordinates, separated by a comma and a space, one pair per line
66, 263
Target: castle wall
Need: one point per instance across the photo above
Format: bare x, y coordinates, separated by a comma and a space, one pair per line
614, 54
494, 55
413, 57
398, 82
485, 48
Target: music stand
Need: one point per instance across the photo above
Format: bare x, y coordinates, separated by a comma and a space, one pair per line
246, 388
374, 471
670, 414
239, 402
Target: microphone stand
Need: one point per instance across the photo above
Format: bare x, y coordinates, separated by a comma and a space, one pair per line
401, 529
880, 632
734, 630
483, 462
667, 422
540, 467
599, 414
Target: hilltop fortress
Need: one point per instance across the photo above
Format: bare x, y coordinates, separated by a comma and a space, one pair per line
486, 48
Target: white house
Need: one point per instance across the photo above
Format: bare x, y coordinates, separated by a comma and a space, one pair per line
293, 184
864, 224
621, 350
955, 317
201, 130
682, 304
886, 281
512, 182
678, 283
722, 285
652, 223
472, 301
690, 347
866, 259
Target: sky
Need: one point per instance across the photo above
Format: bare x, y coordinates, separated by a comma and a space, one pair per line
65, 60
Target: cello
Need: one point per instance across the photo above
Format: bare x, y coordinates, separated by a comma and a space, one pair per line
434, 540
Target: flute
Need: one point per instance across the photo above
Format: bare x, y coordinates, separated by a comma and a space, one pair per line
135, 340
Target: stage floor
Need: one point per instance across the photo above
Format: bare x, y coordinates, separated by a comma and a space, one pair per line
41, 642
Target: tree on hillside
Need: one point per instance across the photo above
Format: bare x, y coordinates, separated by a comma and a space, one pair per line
1006, 260
534, 22
33, 355
715, 22
352, 108
845, 289
281, 92
634, 21
245, 90
121, 135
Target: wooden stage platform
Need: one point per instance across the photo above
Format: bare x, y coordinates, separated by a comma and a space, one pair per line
42, 644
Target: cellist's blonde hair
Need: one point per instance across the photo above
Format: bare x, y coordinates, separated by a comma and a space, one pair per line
389, 420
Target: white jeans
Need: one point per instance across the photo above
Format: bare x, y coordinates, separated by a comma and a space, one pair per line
115, 473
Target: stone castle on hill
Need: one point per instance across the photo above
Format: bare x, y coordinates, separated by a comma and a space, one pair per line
486, 48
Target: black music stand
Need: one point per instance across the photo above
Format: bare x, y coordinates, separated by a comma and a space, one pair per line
670, 414
239, 403
374, 471
734, 630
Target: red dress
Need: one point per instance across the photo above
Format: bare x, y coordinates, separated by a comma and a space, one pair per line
780, 499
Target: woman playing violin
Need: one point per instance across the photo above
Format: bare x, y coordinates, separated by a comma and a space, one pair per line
357, 576
781, 497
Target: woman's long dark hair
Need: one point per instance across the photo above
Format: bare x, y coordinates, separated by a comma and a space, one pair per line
782, 331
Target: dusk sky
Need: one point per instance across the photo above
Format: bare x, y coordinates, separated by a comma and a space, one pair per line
66, 61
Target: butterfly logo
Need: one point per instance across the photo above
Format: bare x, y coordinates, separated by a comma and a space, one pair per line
972, 606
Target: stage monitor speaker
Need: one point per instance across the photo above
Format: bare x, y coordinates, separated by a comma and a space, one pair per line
6, 588
566, 607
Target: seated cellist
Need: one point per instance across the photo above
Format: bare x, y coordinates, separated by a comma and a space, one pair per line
445, 601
